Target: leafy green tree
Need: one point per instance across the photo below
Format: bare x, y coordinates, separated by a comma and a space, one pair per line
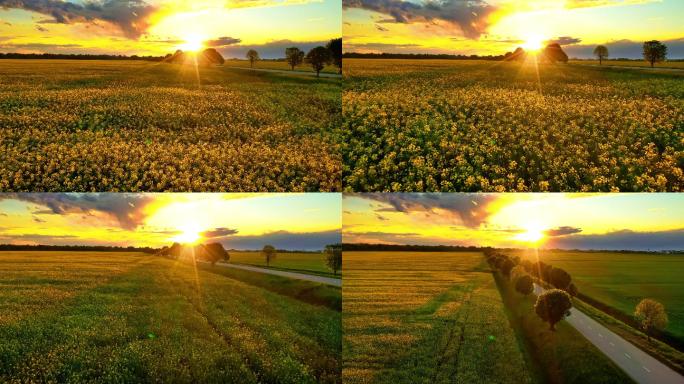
294, 56
654, 52
318, 57
335, 48
524, 284
553, 306
651, 315
269, 253
559, 278
214, 252
253, 57
333, 257
601, 51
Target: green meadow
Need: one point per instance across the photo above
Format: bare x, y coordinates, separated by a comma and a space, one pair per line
131, 317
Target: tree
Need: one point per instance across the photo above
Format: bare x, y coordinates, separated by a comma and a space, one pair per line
333, 257
517, 272
553, 306
269, 253
318, 57
554, 53
572, 290
601, 52
252, 56
506, 266
214, 252
559, 278
654, 51
175, 250
294, 56
335, 48
651, 315
524, 284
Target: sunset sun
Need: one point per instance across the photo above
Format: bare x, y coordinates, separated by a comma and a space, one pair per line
533, 42
533, 233
193, 43
190, 234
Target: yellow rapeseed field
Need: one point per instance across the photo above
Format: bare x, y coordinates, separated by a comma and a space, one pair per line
139, 126
431, 125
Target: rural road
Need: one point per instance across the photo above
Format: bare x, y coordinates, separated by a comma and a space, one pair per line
639, 365
291, 275
323, 74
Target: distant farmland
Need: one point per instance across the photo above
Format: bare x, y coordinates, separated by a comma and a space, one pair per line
128, 317
141, 126
297, 261
426, 317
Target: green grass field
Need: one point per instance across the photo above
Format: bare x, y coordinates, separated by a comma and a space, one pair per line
621, 280
300, 262
282, 65
117, 317
448, 125
143, 126
426, 318
631, 63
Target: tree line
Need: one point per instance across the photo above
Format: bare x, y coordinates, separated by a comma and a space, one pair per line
553, 305
75, 248
76, 56
317, 57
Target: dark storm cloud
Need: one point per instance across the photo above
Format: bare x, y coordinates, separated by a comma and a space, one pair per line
130, 16
626, 49
309, 241
622, 240
223, 41
469, 209
565, 40
562, 231
219, 232
271, 50
469, 15
127, 209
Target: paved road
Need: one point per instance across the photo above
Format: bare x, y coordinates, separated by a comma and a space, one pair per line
323, 74
639, 365
291, 275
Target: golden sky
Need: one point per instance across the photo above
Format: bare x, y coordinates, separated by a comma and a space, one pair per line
493, 27
241, 221
157, 27
583, 221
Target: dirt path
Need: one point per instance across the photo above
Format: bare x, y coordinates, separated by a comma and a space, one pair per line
291, 275
639, 365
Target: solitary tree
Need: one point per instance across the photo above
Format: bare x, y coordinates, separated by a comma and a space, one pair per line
269, 253
654, 52
559, 278
294, 56
601, 52
651, 314
333, 257
318, 57
214, 252
335, 48
252, 56
524, 284
553, 306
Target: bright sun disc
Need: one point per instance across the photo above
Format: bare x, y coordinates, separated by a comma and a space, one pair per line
533, 234
192, 43
190, 234
533, 43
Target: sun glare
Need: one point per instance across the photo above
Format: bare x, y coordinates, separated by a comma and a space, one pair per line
534, 233
190, 234
533, 43
193, 43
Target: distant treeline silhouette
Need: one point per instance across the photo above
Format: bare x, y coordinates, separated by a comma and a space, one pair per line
459, 248
419, 56
61, 56
75, 248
